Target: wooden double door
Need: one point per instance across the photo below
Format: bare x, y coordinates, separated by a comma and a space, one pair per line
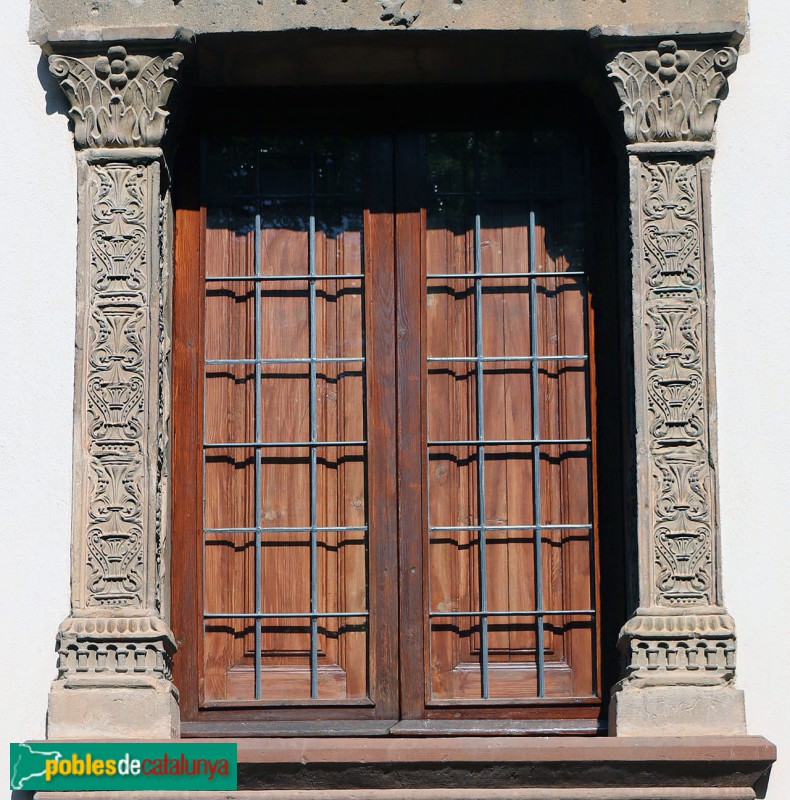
383, 455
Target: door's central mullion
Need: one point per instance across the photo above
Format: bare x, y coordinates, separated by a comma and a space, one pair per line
313, 459
257, 666
411, 423
481, 460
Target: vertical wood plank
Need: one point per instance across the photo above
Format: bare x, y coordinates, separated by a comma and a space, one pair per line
187, 468
383, 430
411, 375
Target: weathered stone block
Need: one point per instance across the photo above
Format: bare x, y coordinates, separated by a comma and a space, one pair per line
677, 711
145, 711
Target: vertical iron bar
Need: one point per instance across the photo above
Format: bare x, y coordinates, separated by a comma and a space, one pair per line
533, 335
203, 191
481, 485
258, 470
313, 457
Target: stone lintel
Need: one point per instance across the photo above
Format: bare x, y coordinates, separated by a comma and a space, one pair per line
653, 16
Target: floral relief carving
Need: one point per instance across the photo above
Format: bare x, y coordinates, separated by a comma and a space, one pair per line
117, 380
117, 99
675, 385
119, 231
118, 329
674, 333
670, 227
676, 399
683, 552
671, 94
400, 12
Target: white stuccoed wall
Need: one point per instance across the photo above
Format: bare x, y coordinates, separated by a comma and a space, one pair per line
751, 242
751, 216
38, 215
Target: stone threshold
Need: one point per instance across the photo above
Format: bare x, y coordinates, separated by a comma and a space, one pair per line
488, 768
426, 794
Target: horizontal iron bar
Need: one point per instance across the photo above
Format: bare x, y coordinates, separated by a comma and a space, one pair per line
289, 529
231, 445
507, 358
586, 526
344, 276
546, 194
503, 442
357, 360
218, 196
585, 611
448, 275
286, 615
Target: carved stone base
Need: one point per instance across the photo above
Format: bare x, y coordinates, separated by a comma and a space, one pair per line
677, 711
667, 648
94, 709
114, 680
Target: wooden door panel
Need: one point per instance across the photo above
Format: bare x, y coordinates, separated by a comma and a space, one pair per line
409, 564
302, 381
495, 207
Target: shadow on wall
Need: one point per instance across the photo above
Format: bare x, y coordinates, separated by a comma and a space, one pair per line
56, 101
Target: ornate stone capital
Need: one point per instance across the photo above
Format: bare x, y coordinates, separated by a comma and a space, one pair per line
670, 94
118, 99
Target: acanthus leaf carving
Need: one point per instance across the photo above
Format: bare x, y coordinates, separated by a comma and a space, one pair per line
670, 94
118, 99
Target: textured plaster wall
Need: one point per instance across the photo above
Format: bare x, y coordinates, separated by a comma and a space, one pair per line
751, 229
751, 215
37, 314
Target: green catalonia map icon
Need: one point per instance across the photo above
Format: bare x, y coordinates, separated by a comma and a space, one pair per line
28, 764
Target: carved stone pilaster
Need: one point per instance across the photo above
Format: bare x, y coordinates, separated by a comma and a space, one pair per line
116, 647
679, 646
